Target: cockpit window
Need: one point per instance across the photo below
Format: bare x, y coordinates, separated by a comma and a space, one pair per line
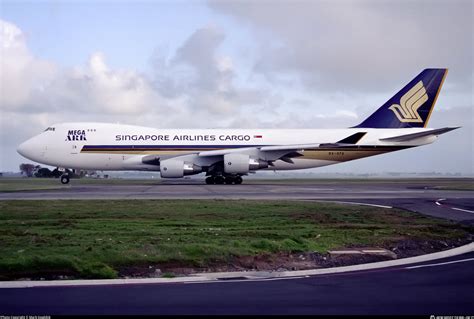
50, 129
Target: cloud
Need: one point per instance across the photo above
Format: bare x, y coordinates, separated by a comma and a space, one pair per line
199, 52
21, 74
196, 79
95, 87
350, 45
203, 76
30, 84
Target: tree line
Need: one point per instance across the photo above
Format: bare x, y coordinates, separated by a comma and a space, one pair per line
31, 170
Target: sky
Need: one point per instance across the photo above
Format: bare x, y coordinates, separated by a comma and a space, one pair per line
236, 64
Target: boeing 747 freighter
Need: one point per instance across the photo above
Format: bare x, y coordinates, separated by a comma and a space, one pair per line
225, 155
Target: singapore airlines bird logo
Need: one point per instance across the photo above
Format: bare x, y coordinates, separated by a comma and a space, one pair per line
410, 102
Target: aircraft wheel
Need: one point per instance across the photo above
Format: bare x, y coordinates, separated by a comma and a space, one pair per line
238, 180
229, 180
219, 180
64, 179
210, 180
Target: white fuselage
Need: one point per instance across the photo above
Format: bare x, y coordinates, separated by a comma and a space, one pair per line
101, 146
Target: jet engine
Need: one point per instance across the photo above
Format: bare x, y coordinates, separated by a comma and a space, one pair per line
235, 163
175, 168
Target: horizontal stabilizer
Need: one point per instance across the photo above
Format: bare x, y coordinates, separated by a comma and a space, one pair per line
413, 136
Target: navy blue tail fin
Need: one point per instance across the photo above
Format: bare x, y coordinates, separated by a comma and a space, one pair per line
412, 106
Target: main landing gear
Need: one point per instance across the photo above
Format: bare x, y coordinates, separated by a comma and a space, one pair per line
219, 179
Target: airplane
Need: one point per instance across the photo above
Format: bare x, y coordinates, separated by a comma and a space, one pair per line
225, 155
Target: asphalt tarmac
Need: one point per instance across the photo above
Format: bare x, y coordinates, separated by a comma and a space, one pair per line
455, 205
441, 287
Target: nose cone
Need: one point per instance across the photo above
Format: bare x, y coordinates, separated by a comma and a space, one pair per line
26, 149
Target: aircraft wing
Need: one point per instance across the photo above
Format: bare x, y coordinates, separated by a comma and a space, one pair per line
284, 152
413, 136
274, 151
289, 148
271, 153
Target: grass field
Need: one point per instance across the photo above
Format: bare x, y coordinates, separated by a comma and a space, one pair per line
97, 238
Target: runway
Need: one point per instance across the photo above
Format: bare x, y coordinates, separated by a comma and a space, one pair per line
440, 287
423, 198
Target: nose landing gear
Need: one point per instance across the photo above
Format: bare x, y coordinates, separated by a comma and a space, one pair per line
64, 179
